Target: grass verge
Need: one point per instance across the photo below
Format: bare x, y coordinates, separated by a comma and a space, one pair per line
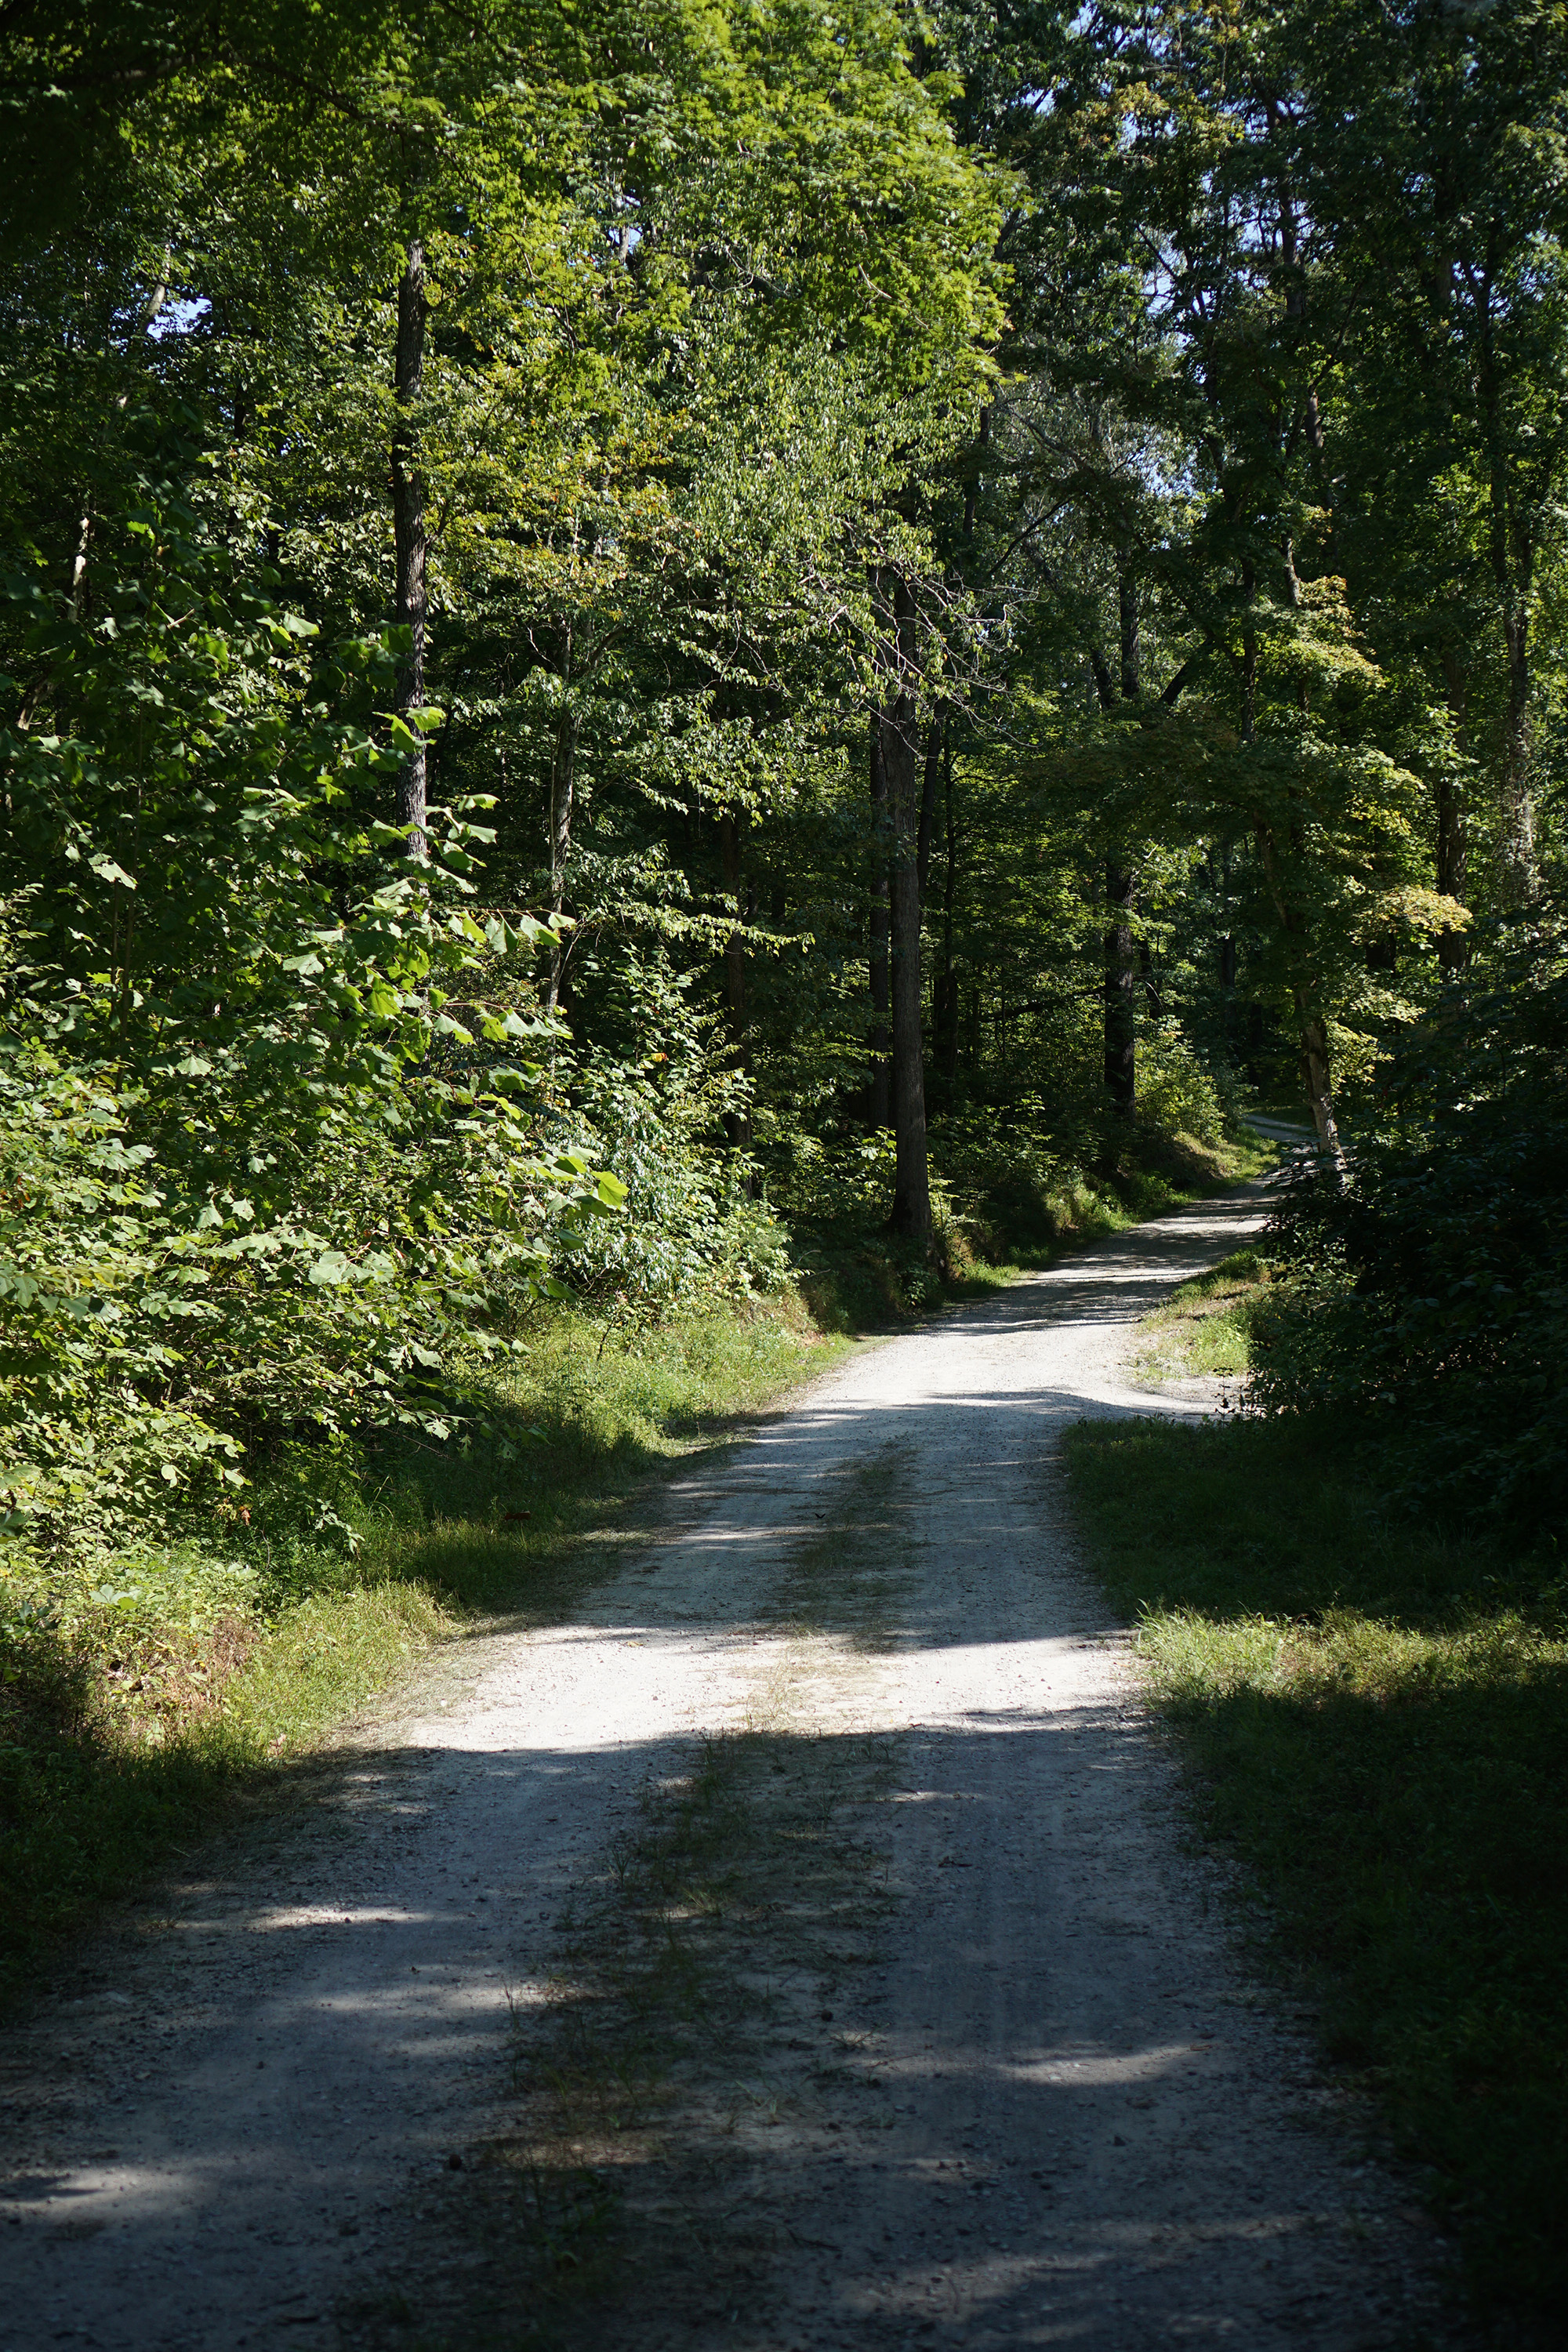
1379, 1716
1207, 1326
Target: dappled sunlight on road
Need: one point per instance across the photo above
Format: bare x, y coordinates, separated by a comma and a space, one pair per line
1006, 2086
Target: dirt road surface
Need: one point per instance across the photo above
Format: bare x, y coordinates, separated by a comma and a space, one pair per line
1010, 2085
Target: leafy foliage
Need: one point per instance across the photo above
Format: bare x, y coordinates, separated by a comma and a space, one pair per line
262, 1166
1432, 1289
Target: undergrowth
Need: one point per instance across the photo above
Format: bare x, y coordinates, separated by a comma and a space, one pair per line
1378, 1711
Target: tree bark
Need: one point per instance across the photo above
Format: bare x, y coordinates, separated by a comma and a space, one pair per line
1316, 1075
1154, 1002
737, 1126
1453, 846
1248, 654
1516, 800
879, 1084
899, 728
79, 565
148, 319
947, 985
562, 769
1121, 993
936, 736
411, 545
1317, 1078
1126, 635
972, 488
1512, 564
1118, 981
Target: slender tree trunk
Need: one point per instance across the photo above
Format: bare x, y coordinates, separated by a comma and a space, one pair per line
947, 1002
1512, 556
1317, 1078
562, 770
1453, 846
1127, 635
972, 488
879, 1086
79, 564
410, 543
902, 767
1153, 1003
737, 1124
1516, 798
936, 736
150, 310
1118, 982
1248, 656
1121, 993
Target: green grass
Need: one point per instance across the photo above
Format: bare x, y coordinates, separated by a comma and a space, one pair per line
1378, 1713
1207, 1326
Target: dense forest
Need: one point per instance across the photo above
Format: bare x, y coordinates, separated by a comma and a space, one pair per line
661, 661
770, 614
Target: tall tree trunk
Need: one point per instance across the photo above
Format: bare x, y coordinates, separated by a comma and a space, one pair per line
410, 543
1121, 993
737, 1124
879, 1084
79, 562
972, 488
1154, 1002
1318, 1081
1248, 654
901, 766
1118, 982
148, 319
1512, 554
562, 766
936, 736
1453, 846
1516, 797
947, 986
1127, 635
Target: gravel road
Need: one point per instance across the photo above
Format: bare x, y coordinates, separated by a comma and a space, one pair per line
233, 2124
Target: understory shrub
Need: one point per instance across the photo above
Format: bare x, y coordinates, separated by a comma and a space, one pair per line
1429, 1289
272, 1143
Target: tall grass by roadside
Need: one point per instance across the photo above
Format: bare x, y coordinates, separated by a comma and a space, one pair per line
1378, 1713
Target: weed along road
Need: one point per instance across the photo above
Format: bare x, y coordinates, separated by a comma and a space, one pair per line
799, 1946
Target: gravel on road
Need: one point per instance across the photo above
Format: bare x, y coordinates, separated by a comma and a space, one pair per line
1036, 2098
